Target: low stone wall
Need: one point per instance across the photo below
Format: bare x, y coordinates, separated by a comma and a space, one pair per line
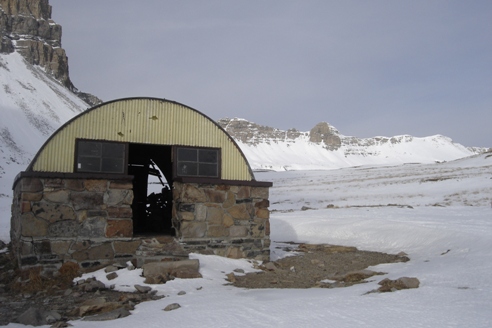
88, 220
226, 220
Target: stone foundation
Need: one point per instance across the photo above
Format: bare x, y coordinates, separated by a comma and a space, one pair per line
88, 220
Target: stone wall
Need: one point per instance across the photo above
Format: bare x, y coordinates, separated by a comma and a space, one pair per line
61, 219
88, 220
226, 220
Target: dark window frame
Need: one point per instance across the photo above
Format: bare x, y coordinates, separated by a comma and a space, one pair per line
177, 162
101, 171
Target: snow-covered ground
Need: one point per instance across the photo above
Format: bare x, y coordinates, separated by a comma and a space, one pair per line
442, 220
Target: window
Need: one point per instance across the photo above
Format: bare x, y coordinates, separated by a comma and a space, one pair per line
197, 162
99, 156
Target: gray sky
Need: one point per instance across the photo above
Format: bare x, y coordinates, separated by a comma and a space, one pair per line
369, 68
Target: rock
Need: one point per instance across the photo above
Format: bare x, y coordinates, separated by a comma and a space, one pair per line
323, 132
270, 266
96, 306
143, 289
407, 282
178, 269
61, 324
172, 306
110, 268
112, 315
238, 270
33, 317
231, 277
112, 275
388, 285
182, 293
92, 286
356, 276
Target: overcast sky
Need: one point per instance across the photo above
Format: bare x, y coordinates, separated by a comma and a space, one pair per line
369, 68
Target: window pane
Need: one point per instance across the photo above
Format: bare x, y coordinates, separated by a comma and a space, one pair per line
89, 164
208, 156
187, 154
88, 148
113, 165
102, 157
208, 170
187, 169
113, 150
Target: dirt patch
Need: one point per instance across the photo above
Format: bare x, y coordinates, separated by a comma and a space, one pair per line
312, 265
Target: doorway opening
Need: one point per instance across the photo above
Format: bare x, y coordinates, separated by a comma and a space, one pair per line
151, 166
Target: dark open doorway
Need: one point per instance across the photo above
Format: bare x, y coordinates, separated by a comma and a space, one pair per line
151, 166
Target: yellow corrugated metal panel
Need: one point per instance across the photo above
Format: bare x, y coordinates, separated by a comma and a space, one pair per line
149, 121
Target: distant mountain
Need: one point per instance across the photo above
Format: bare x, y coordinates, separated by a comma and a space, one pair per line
323, 147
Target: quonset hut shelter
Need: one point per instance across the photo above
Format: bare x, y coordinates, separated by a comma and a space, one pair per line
85, 196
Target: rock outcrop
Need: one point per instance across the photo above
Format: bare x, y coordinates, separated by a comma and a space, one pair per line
323, 132
26, 27
252, 133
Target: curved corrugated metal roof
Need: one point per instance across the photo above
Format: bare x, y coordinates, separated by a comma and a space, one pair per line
141, 120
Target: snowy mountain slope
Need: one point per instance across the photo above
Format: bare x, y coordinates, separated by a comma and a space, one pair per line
32, 106
273, 149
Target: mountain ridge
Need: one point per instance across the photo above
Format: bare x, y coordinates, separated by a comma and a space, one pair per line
324, 147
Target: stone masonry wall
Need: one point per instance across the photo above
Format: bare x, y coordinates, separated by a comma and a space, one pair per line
89, 221
86, 221
230, 221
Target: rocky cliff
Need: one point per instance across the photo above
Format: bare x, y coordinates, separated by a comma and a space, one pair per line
26, 27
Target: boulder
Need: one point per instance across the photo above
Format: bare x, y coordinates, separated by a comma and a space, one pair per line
178, 269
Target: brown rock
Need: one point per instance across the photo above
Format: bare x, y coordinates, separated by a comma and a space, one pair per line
264, 203
192, 194
230, 200
126, 247
259, 192
227, 220
178, 268
32, 226
217, 231
120, 212
31, 196
239, 212
104, 251
96, 185
215, 196
262, 213
191, 229
58, 196
214, 215
119, 228
243, 192
238, 231
74, 185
